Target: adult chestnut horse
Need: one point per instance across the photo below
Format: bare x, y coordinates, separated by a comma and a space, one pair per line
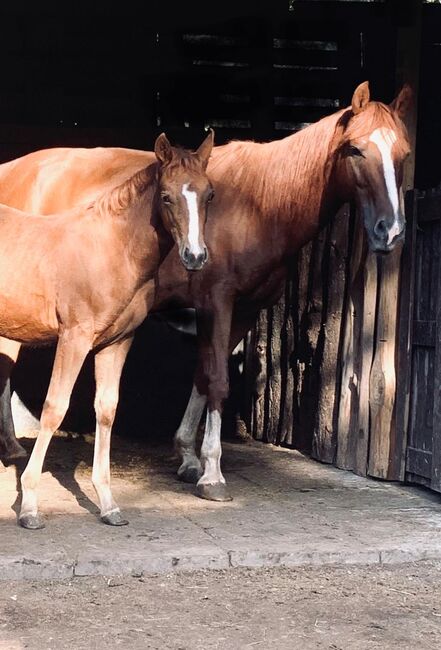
270, 200
87, 278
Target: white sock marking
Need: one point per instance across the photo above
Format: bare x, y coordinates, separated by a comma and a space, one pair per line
384, 139
193, 219
211, 450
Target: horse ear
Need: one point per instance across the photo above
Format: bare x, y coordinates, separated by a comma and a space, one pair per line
204, 151
402, 101
163, 149
360, 98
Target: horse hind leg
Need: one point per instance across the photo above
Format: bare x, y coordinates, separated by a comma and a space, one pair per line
10, 448
73, 346
190, 469
109, 363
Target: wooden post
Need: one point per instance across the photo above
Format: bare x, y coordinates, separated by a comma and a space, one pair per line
383, 375
334, 281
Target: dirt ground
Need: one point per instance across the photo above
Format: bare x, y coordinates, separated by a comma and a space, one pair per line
339, 608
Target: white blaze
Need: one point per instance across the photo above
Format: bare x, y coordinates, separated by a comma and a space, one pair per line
384, 139
193, 220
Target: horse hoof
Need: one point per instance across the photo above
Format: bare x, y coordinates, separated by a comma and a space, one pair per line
114, 519
214, 492
31, 522
190, 474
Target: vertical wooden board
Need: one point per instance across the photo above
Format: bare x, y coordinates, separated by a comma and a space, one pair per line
312, 342
365, 355
276, 317
287, 400
334, 280
348, 406
301, 351
260, 373
383, 377
404, 342
436, 437
249, 379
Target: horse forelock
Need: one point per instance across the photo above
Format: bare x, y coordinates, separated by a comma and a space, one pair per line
182, 159
375, 115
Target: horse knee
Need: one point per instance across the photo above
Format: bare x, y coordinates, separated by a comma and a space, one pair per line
105, 407
53, 413
218, 392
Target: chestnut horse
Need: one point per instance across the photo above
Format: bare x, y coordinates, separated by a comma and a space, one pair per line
270, 200
87, 278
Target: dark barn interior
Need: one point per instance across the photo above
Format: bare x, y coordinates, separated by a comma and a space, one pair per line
103, 74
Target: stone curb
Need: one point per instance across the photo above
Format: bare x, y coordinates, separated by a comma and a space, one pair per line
59, 567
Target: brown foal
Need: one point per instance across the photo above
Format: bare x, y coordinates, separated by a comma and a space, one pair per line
88, 278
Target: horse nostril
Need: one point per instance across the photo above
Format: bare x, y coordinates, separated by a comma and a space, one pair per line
380, 228
205, 258
186, 254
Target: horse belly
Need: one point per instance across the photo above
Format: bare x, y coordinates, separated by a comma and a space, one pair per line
29, 320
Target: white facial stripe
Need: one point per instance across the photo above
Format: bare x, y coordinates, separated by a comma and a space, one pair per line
384, 139
193, 219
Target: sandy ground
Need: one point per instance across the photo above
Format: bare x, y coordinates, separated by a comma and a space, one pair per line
338, 608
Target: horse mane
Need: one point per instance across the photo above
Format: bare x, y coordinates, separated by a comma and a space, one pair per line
121, 197
276, 174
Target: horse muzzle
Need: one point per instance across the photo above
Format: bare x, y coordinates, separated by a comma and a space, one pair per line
194, 261
384, 239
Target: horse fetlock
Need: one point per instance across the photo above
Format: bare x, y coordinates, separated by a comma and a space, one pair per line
113, 518
190, 471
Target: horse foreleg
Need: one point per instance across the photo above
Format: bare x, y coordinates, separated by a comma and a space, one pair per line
10, 448
109, 363
73, 346
190, 469
214, 328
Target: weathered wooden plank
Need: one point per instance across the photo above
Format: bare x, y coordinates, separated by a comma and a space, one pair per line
395, 427
276, 317
420, 461
363, 364
334, 281
397, 465
313, 340
436, 436
260, 374
287, 399
383, 377
301, 354
348, 406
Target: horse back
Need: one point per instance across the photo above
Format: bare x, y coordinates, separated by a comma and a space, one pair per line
55, 180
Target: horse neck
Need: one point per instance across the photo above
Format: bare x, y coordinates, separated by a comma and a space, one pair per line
130, 209
288, 180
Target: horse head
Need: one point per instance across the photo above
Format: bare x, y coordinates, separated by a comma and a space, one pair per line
372, 145
184, 192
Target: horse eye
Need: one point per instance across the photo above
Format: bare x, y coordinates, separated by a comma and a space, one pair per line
354, 151
210, 196
166, 198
